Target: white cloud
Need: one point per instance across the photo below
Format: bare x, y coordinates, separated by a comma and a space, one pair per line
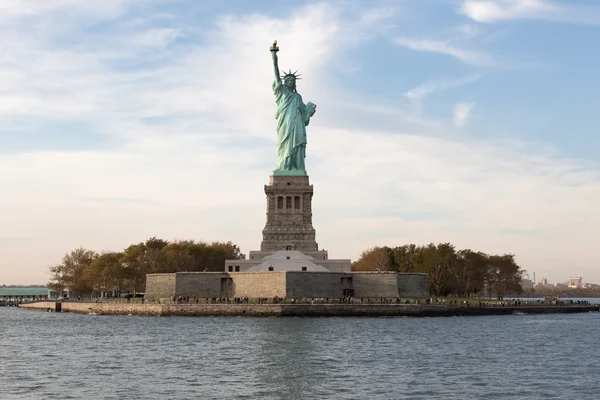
498, 10
461, 113
198, 171
427, 88
441, 47
468, 31
377, 15
27, 8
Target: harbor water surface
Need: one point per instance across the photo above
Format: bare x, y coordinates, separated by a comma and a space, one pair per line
71, 356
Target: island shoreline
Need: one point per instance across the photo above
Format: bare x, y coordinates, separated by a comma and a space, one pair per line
302, 310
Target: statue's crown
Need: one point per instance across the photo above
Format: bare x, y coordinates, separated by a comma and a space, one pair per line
290, 74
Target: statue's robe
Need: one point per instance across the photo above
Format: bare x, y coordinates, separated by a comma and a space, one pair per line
292, 118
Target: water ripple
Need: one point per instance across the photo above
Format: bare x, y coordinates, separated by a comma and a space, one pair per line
71, 356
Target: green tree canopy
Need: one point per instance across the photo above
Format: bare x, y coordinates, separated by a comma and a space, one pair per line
85, 272
450, 272
70, 273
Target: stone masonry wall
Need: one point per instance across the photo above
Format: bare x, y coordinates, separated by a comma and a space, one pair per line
291, 224
314, 284
303, 310
375, 284
413, 285
109, 308
160, 286
199, 284
258, 284
285, 284
40, 305
254, 310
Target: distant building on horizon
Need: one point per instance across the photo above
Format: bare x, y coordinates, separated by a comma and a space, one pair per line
20, 294
575, 282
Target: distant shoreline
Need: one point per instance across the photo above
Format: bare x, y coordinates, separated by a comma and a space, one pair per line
560, 296
304, 310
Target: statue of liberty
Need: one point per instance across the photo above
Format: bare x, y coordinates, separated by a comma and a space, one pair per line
292, 117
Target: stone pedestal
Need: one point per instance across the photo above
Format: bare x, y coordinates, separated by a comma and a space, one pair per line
288, 237
289, 215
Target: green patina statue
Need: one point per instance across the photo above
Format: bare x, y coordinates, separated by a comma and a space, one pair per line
292, 118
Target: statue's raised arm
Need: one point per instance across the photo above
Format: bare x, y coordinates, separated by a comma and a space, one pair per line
274, 49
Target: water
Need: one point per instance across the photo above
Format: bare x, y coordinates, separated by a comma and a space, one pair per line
590, 300
70, 356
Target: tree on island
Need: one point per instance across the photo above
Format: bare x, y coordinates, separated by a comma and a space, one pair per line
106, 273
71, 272
85, 272
463, 273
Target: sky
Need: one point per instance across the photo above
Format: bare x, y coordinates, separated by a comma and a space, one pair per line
473, 122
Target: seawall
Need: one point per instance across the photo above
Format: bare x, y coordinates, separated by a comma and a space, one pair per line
300, 310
